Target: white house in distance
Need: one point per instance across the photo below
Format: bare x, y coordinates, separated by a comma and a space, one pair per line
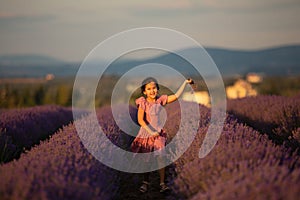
200, 97
254, 78
49, 77
240, 89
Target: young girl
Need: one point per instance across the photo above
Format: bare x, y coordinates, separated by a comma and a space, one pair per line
151, 136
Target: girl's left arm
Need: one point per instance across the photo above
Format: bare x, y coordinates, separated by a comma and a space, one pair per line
174, 97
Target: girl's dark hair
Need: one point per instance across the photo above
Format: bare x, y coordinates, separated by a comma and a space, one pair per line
148, 80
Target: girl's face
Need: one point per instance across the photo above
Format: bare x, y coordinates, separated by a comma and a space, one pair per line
151, 90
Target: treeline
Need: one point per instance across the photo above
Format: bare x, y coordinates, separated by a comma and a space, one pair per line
59, 91
16, 94
31, 94
282, 86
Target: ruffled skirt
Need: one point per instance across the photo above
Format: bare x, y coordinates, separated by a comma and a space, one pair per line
143, 143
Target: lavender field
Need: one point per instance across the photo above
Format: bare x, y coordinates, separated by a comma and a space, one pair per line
20, 129
256, 157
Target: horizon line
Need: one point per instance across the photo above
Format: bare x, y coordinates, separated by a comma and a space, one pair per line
204, 46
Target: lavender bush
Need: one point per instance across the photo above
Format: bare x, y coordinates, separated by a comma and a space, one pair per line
244, 164
60, 168
22, 128
277, 116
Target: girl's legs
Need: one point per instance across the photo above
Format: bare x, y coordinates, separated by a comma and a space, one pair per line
161, 171
162, 174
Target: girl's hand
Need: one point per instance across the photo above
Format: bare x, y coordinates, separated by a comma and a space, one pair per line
190, 81
155, 133
174, 97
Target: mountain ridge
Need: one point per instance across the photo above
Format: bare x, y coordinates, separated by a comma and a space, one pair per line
281, 60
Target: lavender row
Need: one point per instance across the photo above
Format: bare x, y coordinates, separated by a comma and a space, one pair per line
22, 128
60, 168
277, 116
244, 164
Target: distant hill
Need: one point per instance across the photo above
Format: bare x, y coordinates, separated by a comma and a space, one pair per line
273, 61
12, 66
283, 60
29, 59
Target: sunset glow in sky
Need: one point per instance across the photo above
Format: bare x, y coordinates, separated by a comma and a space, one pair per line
69, 30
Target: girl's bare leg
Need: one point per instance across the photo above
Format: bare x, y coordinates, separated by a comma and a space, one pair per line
163, 186
162, 175
161, 171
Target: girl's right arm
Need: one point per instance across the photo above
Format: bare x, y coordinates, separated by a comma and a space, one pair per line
143, 123
174, 97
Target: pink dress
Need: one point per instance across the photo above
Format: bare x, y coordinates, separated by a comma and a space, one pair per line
144, 142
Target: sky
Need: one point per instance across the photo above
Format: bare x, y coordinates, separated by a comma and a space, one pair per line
69, 30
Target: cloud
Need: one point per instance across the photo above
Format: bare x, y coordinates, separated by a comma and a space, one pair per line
168, 8
240, 5
152, 9
171, 5
6, 16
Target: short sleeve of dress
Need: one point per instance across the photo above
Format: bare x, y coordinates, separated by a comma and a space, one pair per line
163, 99
140, 103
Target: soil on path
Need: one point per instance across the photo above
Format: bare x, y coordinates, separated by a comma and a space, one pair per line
130, 183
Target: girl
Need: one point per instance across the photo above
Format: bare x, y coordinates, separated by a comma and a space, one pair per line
151, 136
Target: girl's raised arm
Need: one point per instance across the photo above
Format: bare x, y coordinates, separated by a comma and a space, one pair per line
174, 97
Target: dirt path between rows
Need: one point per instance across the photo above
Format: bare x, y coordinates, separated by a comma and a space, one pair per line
130, 183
